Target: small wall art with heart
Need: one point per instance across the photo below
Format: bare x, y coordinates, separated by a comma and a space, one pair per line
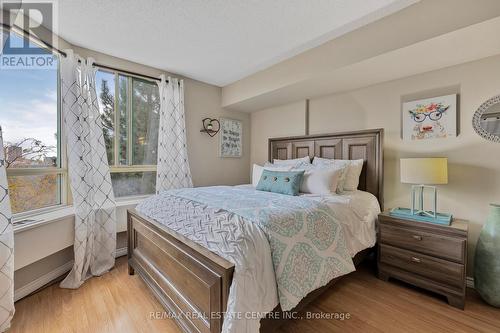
210, 126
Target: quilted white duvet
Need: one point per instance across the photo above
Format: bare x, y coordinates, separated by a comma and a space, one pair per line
282, 247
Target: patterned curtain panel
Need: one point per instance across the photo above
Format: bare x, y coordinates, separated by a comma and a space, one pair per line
93, 198
6, 248
173, 165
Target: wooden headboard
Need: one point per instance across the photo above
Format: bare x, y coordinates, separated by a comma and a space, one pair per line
366, 145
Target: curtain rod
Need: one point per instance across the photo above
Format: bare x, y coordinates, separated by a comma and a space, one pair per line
63, 54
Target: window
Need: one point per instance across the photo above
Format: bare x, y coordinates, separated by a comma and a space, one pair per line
29, 115
129, 108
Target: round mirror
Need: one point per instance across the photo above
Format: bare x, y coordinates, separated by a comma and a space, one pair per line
486, 121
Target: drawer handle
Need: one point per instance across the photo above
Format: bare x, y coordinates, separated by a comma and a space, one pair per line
415, 259
417, 237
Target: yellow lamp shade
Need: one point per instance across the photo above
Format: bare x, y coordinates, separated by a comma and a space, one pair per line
424, 171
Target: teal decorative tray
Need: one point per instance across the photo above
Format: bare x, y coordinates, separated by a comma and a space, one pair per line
405, 213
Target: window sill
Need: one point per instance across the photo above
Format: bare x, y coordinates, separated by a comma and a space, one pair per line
66, 212
44, 218
132, 200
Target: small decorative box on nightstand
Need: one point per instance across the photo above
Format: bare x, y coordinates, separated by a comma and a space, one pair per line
427, 255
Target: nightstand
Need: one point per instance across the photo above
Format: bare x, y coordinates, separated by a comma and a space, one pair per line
426, 255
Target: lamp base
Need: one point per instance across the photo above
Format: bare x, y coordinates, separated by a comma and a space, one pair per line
421, 216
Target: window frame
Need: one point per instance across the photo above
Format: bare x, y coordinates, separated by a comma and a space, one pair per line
117, 167
63, 191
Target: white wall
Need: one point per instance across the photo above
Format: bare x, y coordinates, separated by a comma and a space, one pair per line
474, 163
34, 244
284, 120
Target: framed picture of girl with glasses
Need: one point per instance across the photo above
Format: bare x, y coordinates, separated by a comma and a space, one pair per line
431, 118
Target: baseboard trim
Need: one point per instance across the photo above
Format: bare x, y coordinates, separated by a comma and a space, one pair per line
42, 281
46, 279
470, 282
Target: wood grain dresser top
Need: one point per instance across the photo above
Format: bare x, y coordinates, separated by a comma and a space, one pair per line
458, 226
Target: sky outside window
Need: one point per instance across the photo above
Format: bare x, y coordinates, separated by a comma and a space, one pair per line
28, 104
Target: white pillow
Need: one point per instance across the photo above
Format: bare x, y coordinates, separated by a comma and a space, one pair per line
320, 180
354, 167
257, 172
296, 162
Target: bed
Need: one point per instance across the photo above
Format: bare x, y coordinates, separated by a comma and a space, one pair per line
193, 282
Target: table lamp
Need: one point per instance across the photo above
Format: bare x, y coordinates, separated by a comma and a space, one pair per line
423, 173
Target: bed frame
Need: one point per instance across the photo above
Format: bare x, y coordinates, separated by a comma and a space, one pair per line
189, 279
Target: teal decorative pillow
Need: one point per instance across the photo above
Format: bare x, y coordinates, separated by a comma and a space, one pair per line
284, 182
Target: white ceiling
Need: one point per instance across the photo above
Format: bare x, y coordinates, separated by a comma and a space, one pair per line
215, 41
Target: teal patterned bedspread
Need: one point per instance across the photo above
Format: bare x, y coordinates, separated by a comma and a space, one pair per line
307, 243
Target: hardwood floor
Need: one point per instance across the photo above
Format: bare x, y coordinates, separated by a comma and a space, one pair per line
118, 302
115, 302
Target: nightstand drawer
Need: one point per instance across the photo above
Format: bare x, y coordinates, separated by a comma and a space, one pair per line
438, 270
432, 244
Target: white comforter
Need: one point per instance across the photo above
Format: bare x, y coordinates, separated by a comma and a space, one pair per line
358, 211
254, 285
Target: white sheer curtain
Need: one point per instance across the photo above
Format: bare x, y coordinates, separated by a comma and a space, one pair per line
6, 248
93, 198
173, 164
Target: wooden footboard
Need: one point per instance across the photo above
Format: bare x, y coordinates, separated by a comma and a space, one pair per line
190, 281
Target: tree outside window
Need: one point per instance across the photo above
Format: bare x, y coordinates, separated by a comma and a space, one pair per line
134, 105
